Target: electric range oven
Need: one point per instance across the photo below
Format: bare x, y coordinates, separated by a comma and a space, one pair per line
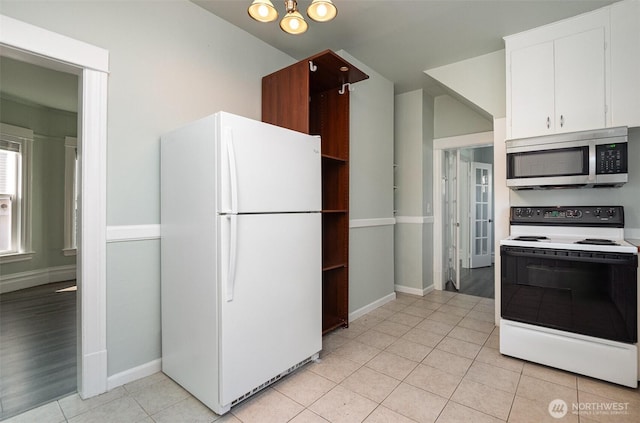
569, 291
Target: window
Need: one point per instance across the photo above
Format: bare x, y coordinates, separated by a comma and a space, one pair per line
70, 195
15, 195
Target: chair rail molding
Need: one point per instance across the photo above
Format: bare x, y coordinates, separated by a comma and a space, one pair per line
123, 233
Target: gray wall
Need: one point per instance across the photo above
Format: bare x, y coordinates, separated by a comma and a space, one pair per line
371, 188
452, 117
170, 63
414, 119
50, 126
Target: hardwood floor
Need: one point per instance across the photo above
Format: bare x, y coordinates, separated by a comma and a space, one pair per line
37, 346
478, 282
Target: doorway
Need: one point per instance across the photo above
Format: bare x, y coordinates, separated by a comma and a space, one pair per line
463, 221
35, 45
38, 354
468, 222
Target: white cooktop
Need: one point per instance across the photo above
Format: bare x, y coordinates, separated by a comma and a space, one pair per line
566, 238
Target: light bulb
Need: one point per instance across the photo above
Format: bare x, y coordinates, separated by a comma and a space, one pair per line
322, 10
263, 11
293, 23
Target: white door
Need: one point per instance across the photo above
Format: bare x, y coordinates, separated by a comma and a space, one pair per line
265, 168
481, 214
452, 209
579, 81
532, 92
271, 294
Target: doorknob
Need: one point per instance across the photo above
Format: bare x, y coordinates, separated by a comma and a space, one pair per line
490, 220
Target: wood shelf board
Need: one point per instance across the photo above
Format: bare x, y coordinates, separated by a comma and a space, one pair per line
335, 266
334, 158
333, 325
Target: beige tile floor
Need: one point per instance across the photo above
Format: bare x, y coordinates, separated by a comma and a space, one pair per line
416, 359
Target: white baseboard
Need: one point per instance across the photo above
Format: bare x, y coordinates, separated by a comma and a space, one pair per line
31, 278
370, 307
134, 374
414, 291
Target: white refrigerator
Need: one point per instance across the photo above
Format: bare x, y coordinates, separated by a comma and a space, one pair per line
241, 256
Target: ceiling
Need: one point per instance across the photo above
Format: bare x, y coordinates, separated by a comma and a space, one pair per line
400, 39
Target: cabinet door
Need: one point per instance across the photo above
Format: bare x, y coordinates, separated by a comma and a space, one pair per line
532, 96
580, 81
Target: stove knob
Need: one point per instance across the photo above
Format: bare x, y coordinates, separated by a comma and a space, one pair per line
597, 212
611, 212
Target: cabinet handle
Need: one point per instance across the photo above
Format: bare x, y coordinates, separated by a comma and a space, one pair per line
561, 121
548, 122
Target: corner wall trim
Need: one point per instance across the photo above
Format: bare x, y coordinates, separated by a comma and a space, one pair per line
15, 281
414, 219
133, 233
366, 223
372, 306
134, 374
414, 291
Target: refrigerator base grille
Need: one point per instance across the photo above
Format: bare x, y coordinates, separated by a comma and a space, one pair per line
274, 379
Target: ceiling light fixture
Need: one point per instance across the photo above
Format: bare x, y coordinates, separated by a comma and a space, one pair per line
293, 22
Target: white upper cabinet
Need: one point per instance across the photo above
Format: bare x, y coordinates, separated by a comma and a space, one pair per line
557, 77
532, 80
580, 81
576, 74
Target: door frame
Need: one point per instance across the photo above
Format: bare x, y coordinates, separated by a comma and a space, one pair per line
52, 50
481, 139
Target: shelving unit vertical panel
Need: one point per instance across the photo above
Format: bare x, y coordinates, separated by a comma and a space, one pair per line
331, 121
285, 98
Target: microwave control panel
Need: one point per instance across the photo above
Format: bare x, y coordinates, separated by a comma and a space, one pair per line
611, 158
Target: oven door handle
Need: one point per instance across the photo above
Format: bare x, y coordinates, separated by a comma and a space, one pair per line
573, 255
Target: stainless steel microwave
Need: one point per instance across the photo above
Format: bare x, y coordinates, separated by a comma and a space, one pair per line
596, 158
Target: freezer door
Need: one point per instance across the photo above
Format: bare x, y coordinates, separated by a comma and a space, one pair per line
271, 311
265, 168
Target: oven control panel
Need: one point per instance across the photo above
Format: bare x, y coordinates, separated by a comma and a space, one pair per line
612, 216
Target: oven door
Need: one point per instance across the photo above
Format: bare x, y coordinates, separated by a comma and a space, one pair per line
584, 292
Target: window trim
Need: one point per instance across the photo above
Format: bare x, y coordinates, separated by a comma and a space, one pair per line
70, 194
23, 136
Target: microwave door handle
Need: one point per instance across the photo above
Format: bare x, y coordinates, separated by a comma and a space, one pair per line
592, 163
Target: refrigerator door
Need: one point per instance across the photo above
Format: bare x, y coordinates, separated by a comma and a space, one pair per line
270, 314
265, 168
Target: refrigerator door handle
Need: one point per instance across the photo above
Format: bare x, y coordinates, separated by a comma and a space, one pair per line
233, 249
233, 171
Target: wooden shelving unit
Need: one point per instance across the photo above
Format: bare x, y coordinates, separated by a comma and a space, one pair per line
311, 96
